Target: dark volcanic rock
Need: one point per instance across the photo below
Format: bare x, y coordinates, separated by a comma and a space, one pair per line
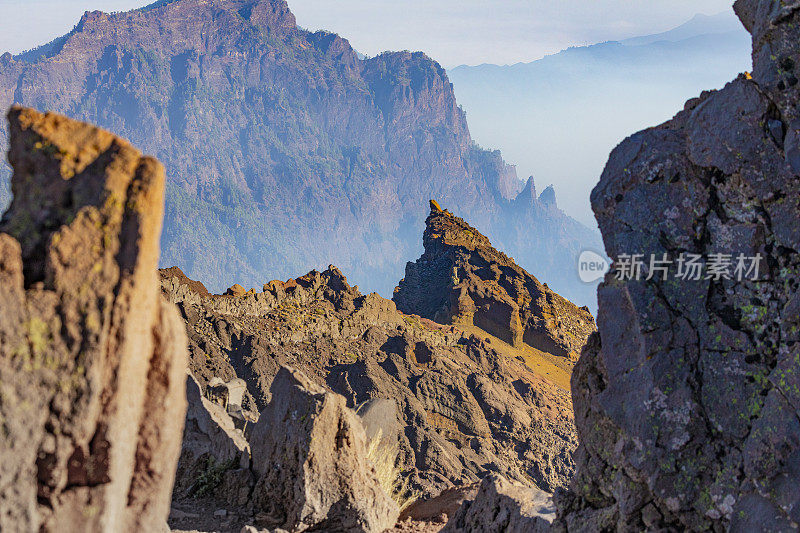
464, 409
310, 453
92, 359
687, 401
283, 148
462, 279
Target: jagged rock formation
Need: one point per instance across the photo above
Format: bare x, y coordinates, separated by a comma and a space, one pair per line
313, 471
548, 197
92, 360
284, 149
213, 451
304, 465
463, 409
687, 401
503, 507
462, 279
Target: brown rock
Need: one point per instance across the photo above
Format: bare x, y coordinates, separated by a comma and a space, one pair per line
237, 291
462, 279
503, 507
309, 451
92, 361
447, 503
177, 273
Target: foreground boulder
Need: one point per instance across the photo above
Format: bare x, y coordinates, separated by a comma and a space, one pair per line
687, 403
503, 507
92, 361
462, 279
215, 455
310, 453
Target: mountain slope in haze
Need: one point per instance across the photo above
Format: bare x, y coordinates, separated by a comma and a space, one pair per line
559, 117
284, 150
719, 24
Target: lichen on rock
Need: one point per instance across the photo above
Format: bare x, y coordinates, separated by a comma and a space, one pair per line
92, 360
686, 402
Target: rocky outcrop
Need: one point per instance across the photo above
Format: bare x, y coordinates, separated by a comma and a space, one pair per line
687, 402
314, 472
270, 132
503, 507
214, 453
450, 406
92, 360
439, 508
462, 279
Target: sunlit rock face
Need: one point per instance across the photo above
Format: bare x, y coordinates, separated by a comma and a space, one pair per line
92, 359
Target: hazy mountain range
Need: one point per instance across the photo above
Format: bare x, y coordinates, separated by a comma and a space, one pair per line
559, 117
284, 150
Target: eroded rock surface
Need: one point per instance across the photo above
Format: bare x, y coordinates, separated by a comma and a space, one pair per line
503, 507
461, 278
92, 360
687, 401
213, 453
310, 455
462, 410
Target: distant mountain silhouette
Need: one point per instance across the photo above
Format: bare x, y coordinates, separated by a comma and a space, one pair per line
721, 23
560, 116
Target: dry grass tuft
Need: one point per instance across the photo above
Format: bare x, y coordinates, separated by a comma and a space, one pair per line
384, 459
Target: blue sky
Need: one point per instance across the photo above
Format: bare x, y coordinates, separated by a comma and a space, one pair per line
452, 31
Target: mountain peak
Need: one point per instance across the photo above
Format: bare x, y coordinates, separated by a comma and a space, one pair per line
462, 279
247, 111
527, 197
548, 196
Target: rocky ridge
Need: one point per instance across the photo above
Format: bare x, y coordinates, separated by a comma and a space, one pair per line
94, 386
284, 149
457, 409
686, 402
462, 279
92, 359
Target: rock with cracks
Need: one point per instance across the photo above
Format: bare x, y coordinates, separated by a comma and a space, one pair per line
92, 360
309, 451
687, 404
